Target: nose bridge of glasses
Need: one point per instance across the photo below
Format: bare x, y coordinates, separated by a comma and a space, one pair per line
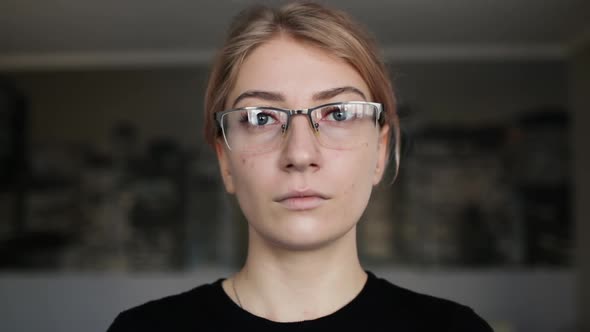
304, 112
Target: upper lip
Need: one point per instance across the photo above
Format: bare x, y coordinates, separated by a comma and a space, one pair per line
299, 194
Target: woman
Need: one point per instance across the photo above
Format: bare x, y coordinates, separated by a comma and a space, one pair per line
301, 113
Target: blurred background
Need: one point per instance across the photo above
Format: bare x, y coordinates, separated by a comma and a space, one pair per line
110, 198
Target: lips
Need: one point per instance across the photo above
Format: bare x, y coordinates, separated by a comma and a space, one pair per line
301, 200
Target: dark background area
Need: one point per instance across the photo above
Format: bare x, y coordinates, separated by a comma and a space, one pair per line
110, 172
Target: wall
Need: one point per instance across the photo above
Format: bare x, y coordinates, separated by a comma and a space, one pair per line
85, 105
479, 92
580, 77
513, 301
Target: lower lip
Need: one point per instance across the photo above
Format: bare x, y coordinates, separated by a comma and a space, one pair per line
302, 203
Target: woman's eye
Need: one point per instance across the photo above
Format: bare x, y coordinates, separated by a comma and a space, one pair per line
336, 114
262, 119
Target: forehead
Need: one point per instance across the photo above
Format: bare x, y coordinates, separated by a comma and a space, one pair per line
294, 69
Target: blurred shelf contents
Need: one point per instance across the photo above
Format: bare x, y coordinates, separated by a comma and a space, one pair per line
541, 167
458, 207
121, 209
478, 195
466, 196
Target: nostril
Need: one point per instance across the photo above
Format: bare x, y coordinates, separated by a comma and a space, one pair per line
301, 167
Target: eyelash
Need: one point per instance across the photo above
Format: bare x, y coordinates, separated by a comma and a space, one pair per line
244, 117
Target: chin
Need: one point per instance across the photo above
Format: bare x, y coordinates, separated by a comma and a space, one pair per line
303, 234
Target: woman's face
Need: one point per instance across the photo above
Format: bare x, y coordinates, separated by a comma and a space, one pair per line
302, 195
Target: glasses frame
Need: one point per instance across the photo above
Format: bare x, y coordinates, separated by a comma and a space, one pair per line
293, 112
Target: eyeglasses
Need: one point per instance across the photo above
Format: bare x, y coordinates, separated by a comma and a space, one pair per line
342, 125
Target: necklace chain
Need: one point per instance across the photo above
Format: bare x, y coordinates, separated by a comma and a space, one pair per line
233, 285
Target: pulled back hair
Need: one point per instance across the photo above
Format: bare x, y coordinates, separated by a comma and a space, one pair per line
326, 28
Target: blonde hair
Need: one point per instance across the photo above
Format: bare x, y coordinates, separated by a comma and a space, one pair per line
307, 22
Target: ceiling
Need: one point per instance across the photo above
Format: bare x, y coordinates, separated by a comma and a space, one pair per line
62, 33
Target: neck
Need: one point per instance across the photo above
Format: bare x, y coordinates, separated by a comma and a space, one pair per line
316, 281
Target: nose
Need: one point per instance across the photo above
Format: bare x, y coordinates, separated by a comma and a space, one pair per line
300, 151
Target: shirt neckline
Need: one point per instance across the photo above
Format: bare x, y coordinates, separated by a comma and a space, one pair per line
357, 303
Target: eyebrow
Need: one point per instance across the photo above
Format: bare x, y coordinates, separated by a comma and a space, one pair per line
264, 95
318, 96
331, 93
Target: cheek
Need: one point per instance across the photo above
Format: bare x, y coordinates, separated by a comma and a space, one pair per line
243, 164
251, 173
353, 169
354, 183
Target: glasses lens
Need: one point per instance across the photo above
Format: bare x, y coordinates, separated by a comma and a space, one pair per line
347, 125
253, 130
340, 126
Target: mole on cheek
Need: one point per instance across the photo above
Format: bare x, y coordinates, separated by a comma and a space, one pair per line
245, 162
350, 190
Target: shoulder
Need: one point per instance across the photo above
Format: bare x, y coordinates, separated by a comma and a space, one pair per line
424, 311
175, 312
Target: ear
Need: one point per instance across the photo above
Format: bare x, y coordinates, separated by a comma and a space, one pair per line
224, 166
382, 154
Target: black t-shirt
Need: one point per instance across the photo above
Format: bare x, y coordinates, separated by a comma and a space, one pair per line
380, 306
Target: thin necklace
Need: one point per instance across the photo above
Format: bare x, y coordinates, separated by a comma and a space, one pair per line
233, 285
